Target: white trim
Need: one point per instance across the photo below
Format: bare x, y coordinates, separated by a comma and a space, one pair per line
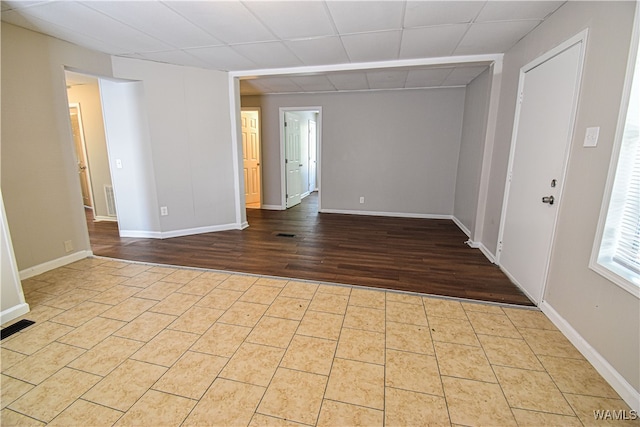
99, 218
238, 173
244, 225
305, 194
390, 214
273, 207
604, 368
83, 145
461, 226
342, 91
53, 264
141, 234
580, 38
183, 232
12, 312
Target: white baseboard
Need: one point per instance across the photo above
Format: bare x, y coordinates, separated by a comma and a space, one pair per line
179, 233
244, 225
141, 234
99, 218
461, 226
604, 368
305, 194
273, 207
486, 252
391, 214
13, 312
50, 265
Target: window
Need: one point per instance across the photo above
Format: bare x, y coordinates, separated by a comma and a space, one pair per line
617, 252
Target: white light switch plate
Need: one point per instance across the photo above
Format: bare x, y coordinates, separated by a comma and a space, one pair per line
591, 137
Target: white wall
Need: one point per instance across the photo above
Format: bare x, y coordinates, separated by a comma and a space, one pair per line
12, 303
476, 108
398, 149
600, 317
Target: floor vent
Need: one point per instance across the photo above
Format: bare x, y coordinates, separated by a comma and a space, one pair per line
16, 327
111, 200
285, 235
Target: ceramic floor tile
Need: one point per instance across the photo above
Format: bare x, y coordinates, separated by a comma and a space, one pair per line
365, 346
356, 382
157, 409
260, 294
12, 389
199, 286
403, 298
476, 403
260, 420
221, 340
226, 403
131, 270
220, 299
55, 394
515, 353
443, 308
182, 276
219, 276
577, 377
125, 385
414, 372
254, 364
44, 363
309, 354
159, 290
585, 407
408, 408
166, 348
145, 327
83, 413
367, 298
67, 300
320, 325
191, 375
92, 332
270, 281
532, 390
175, 304
294, 395
165, 271
143, 280
129, 309
273, 331
243, 314
39, 314
300, 290
549, 343
369, 319
9, 358
81, 313
288, 308
12, 418
493, 324
463, 361
529, 319
406, 313
537, 419
106, 356
343, 414
456, 331
36, 337
238, 282
405, 337
329, 303
482, 308
196, 320
115, 295
334, 289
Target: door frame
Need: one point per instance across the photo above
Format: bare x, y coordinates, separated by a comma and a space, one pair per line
283, 177
83, 143
259, 111
578, 38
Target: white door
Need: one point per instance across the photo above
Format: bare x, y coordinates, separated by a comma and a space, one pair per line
313, 149
542, 133
251, 157
293, 160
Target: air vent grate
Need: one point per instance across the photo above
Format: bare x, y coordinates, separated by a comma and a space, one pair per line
285, 235
15, 328
111, 200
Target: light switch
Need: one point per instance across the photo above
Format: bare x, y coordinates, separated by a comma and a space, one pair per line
119, 163
591, 137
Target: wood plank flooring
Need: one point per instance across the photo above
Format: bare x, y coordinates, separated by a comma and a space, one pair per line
417, 255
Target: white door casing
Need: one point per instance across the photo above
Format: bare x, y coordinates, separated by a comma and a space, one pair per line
293, 160
251, 156
543, 128
313, 149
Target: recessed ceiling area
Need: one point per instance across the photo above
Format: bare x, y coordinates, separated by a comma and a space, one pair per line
262, 35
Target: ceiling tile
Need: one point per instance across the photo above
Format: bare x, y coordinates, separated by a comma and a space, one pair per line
387, 79
382, 46
315, 83
516, 10
463, 75
349, 80
280, 84
228, 21
292, 20
493, 37
359, 17
251, 87
427, 13
175, 57
431, 41
157, 20
268, 54
222, 58
320, 51
427, 77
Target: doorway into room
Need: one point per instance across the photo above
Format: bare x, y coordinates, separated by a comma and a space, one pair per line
251, 157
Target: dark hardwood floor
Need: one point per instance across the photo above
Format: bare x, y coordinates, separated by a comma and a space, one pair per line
417, 255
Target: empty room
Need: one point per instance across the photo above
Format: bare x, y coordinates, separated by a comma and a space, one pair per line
320, 213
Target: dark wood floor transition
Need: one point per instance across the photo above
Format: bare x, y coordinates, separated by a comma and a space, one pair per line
417, 255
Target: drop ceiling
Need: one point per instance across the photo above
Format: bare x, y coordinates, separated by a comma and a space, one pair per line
261, 35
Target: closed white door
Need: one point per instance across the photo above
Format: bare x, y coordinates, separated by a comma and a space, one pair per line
544, 123
313, 150
251, 157
293, 159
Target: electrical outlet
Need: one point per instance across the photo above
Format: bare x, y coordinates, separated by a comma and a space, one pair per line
68, 245
361, 199
164, 211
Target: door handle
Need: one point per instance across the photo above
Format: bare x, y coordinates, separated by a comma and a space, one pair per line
548, 199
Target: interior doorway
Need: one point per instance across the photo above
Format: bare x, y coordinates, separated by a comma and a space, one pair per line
251, 156
80, 146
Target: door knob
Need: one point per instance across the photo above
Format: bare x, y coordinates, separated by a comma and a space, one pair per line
548, 199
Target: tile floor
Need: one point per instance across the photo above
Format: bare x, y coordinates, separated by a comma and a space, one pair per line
119, 343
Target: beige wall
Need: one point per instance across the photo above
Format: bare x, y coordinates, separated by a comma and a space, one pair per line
603, 315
